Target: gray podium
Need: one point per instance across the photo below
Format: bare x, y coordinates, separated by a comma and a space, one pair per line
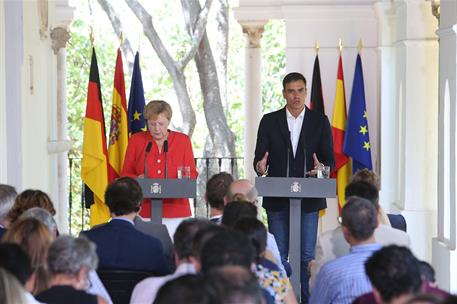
159, 188
295, 188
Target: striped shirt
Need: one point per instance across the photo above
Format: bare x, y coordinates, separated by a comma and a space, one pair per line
344, 279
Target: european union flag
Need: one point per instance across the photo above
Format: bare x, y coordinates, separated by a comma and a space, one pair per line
357, 139
136, 100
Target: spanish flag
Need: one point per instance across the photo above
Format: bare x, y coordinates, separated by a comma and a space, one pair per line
342, 169
119, 134
94, 167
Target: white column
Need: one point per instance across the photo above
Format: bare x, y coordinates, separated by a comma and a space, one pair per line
2, 95
253, 89
61, 144
444, 245
410, 120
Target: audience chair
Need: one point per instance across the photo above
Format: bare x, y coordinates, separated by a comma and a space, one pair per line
120, 283
397, 221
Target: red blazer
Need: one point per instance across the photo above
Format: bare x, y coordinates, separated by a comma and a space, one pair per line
179, 154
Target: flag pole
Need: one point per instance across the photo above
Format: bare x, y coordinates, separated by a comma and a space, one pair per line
360, 46
340, 45
317, 46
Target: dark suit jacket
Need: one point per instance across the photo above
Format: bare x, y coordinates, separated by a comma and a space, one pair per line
121, 246
274, 136
160, 232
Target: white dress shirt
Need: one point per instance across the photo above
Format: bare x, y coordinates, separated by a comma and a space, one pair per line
295, 125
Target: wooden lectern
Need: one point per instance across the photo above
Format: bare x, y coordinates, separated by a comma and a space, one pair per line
159, 188
295, 188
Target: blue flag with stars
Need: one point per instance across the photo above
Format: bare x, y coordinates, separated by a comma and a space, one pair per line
357, 139
136, 100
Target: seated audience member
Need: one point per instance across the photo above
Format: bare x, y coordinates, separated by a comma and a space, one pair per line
7, 196
35, 239
200, 239
344, 279
119, 244
42, 215
216, 189
28, 199
395, 275
424, 299
372, 178
146, 290
234, 284
242, 186
268, 273
16, 261
244, 190
160, 232
332, 244
69, 262
11, 290
187, 289
427, 273
228, 247
236, 210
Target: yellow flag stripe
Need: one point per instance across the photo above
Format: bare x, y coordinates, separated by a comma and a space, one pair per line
99, 213
94, 164
339, 111
342, 180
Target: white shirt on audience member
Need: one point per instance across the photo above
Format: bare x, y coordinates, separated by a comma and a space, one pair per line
146, 290
97, 287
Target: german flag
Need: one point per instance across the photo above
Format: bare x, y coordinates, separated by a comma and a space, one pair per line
94, 168
342, 169
317, 99
119, 134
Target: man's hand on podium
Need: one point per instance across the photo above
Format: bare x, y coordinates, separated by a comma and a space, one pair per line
317, 164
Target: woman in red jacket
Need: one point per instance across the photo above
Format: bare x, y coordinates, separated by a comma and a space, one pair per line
158, 115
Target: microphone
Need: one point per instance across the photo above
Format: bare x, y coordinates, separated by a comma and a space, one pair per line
288, 155
304, 153
165, 150
148, 149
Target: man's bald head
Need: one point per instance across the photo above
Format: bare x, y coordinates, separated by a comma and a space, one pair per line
244, 187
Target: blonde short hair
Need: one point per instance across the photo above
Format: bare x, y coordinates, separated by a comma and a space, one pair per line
156, 107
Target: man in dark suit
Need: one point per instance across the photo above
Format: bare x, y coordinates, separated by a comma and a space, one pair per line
119, 244
160, 232
291, 141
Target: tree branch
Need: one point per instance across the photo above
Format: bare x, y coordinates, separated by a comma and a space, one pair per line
151, 33
196, 30
177, 74
116, 24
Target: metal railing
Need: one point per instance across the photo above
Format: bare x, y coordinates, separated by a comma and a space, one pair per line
78, 215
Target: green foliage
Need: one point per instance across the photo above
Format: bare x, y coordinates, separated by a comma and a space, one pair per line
156, 80
273, 65
79, 52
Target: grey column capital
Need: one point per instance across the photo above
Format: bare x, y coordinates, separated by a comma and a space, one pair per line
60, 37
254, 31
